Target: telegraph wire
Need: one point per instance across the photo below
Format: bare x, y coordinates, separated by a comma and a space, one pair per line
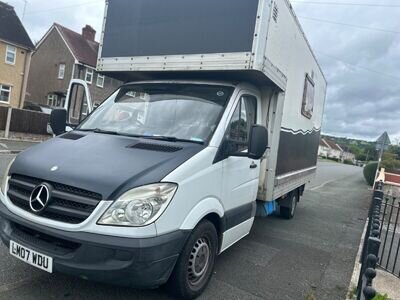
64, 7
358, 66
347, 4
349, 25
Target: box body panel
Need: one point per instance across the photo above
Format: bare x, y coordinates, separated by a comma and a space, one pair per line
178, 27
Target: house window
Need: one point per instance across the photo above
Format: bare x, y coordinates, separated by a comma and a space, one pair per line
55, 100
5, 93
61, 71
11, 55
89, 76
100, 81
52, 100
307, 108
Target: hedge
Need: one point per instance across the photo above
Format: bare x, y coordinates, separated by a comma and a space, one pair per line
370, 172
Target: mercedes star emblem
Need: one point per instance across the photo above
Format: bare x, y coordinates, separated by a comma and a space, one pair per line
39, 198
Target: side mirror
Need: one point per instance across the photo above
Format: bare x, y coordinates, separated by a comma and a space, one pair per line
258, 142
58, 121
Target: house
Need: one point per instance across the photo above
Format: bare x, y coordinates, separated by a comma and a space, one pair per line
347, 155
62, 55
15, 56
323, 149
329, 149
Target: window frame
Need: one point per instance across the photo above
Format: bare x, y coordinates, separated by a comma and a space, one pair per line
91, 73
239, 103
52, 100
308, 82
9, 92
61, 71
103, 80
14, 52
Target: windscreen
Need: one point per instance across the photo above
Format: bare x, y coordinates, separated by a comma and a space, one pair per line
171, 27
177, 111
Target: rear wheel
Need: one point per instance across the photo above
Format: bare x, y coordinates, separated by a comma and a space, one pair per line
195, 265
288, 210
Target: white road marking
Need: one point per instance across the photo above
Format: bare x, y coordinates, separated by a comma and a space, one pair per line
322, 185
328, 182
4, 145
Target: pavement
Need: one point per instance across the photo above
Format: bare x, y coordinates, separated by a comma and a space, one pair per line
386, 283
14, 146
310, 257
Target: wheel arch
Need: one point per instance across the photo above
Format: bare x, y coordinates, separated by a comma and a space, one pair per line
209, 209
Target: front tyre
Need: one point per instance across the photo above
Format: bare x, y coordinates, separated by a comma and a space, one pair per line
195, 265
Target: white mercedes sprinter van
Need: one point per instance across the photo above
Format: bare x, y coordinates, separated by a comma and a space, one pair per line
219, 121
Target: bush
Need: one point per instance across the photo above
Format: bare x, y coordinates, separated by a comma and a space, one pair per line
332, 159
391, 164
381, 297
348, 162
370, 172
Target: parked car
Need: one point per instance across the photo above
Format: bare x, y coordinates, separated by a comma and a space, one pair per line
38, 107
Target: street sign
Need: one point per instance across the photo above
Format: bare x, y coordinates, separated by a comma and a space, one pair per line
383, 142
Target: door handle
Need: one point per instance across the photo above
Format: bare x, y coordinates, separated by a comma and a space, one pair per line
253, 166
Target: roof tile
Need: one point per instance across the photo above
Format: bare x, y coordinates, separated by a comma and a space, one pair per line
332, 145
11, 28
84, 50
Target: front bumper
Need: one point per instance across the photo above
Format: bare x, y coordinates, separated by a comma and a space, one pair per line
139, 263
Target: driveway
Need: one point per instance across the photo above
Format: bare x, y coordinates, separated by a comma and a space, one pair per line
309, 257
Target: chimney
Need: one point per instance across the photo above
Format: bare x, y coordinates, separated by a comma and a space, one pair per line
88, 33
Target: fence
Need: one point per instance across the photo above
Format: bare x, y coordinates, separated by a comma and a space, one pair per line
23, 121
371, 247
389, 233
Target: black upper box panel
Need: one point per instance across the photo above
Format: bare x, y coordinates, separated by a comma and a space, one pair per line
177, 27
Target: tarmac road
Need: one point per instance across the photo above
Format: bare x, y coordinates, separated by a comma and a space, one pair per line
309, 257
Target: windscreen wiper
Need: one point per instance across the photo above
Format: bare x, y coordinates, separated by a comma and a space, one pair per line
98, 130
150, 137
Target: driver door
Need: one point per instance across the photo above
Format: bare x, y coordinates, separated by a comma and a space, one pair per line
240, 174
78, 103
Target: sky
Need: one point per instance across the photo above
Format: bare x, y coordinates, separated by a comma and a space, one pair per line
357, 43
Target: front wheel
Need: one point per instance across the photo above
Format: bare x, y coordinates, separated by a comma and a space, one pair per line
195, 265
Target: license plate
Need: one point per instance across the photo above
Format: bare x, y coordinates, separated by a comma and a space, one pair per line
31, 257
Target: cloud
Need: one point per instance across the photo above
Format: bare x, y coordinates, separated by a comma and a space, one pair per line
362, 66
74, 14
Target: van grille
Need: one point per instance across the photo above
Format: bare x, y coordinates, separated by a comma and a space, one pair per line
43, 241
67, 204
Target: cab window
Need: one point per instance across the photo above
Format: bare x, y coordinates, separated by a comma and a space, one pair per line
244, 117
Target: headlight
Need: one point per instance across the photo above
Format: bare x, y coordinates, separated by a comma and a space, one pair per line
140, 206
3, 187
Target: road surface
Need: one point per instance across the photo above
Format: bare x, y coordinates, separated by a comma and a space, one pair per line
309, 257
11, 145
